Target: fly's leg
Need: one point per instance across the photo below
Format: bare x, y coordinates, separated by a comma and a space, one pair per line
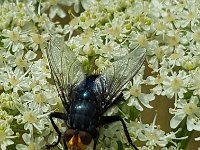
58, 115
95, 140
110, 119
65, 146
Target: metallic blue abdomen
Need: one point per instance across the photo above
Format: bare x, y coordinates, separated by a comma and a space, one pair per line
83, 115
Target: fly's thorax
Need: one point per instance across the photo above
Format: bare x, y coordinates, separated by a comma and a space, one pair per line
86, 90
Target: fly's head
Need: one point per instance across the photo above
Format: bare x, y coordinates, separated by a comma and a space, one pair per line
77, 140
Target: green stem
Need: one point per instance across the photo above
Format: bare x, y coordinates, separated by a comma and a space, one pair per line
185, 142
120, 145
91, 64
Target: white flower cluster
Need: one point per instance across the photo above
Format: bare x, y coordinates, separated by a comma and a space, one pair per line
26, 95
98, 32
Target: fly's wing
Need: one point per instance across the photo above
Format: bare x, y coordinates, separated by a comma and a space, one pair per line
65, 68
113, 79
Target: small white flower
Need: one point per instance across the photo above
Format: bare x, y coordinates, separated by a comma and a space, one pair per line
6, 16
31, 142
54, 8
102, 63
110, 135
40, 71
24, 60
6, 134
187, 109
157, 53
13, 39
38, 41
176, 85
157, 81
111, 50
6, 101
80, 3
153, 135
138, 39
31, 116
189, 62
135, 96
15, 79
176, 57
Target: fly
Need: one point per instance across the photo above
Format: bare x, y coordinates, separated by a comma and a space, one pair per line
86, 97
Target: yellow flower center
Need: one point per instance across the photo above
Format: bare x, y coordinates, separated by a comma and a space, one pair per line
159, 53
13, 81
37, 38
191, 15
152, 136
40, 98
159, 79
135, 91
14, 36
177, 83
161, 26
175, 56
170, 17
21, 62
2, 134
33, 146
30, 117
190, 108
173, 40
142, 41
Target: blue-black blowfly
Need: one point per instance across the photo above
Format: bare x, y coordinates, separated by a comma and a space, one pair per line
86, 97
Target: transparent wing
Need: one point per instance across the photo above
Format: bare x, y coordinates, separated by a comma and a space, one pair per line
65, 68
113, 79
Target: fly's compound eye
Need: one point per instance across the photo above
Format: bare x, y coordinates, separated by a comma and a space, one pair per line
68, 134
77, 140
85, 137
